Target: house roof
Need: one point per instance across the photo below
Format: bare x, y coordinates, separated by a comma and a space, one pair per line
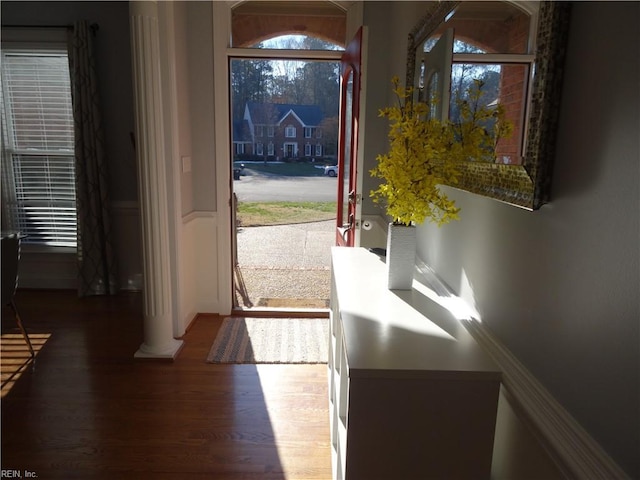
274, 113
241, 131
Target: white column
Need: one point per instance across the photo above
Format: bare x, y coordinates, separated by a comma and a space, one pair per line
150, 152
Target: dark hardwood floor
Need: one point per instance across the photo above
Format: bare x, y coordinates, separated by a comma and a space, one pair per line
87, 410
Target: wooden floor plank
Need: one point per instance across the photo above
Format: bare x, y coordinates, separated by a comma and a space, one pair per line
88, 410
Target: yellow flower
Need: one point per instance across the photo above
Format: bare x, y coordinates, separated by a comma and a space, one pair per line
424, 154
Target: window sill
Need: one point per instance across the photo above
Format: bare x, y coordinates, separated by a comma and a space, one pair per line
46, 249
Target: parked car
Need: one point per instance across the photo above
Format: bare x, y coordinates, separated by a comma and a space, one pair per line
238, 169
331, 170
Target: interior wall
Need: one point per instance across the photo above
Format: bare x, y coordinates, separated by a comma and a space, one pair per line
517, 453
113, 53
196, 231
388, 23
183, 114
377, 74
377, 17
559, 286
199, 17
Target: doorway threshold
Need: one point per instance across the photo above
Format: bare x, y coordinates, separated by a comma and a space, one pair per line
280, 312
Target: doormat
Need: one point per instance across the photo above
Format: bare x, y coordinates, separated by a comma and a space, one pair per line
293, 302
271, 340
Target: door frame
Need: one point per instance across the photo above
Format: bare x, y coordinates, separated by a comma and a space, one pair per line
222, 53
290, 149
350, 66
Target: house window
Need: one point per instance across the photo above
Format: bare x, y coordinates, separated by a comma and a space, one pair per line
259, 131
38, 171
290, 131
270, 149
259, 149
308, 132
318, 133
318, 150
239, 148
307, 150
270, 132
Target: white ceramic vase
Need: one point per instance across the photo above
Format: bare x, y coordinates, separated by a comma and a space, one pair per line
401, 256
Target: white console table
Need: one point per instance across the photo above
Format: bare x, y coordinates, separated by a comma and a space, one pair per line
412, 396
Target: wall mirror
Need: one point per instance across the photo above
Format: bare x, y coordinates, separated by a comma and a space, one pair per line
517, 49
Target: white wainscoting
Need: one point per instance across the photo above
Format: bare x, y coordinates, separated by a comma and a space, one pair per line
56, 268
199, 273
573, 450
48, 268
517, 453
125, 222
529, 415
199, 292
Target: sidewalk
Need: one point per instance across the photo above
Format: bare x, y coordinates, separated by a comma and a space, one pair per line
285, 265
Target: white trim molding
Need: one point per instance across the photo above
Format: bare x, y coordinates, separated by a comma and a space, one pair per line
576, 453
197, 214
221, 35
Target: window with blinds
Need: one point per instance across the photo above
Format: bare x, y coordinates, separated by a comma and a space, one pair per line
38, 147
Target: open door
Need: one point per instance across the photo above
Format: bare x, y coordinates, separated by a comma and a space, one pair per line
350, 64
435, 76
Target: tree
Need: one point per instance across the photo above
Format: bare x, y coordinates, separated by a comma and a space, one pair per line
330, 127
304, 82
251, 81
320, 84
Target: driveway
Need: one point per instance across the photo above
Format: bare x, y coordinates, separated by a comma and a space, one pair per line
297, 276
259, 187
287, 263
308, 246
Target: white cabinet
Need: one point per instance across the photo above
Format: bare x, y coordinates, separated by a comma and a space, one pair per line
412, 396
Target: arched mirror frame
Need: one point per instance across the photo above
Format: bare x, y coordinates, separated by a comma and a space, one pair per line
525, 185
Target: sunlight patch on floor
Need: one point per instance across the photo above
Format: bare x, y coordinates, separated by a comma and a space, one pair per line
310, 412
16, 358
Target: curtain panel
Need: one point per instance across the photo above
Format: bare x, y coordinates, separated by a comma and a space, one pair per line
97, 265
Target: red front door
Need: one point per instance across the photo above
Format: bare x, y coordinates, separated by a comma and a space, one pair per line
350, 64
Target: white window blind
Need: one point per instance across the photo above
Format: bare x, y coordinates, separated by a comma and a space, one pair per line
38, 148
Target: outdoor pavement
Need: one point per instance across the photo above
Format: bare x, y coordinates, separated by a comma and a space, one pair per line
285, 262
255, 186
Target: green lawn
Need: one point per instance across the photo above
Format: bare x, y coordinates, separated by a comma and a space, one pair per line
252, 214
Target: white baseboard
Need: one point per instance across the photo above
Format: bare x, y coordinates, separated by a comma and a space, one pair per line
577, 454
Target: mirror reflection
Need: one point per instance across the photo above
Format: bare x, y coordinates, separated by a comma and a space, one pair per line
516, 52
491, 42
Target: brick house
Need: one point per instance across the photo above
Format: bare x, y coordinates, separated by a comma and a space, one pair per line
274, 131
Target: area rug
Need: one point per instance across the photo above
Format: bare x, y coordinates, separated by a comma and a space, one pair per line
271, 340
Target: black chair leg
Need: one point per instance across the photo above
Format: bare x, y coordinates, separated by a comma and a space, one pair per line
22, 329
